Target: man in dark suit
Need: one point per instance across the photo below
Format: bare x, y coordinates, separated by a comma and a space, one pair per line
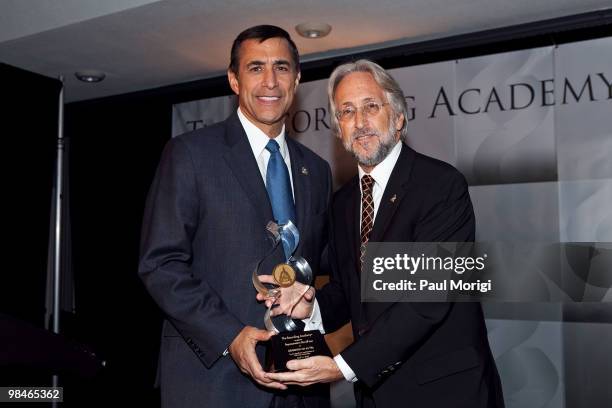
204, 229
404, 353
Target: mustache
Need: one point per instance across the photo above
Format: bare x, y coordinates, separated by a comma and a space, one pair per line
364, 132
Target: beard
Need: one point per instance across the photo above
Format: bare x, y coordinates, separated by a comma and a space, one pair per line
385, 143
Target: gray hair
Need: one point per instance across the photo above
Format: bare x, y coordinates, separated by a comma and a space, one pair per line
393, 92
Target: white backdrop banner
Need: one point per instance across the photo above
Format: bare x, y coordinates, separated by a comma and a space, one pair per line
528, 116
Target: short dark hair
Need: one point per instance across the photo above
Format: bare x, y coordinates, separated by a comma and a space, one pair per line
262, 33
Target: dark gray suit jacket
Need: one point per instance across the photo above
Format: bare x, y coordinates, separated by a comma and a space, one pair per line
410, 354
203, 231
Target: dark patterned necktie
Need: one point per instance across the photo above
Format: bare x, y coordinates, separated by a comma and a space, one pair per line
367, 214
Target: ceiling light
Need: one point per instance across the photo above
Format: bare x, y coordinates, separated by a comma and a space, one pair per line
313, 30
90, 75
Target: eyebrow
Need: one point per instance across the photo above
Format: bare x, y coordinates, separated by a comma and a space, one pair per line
364, 100
275, 63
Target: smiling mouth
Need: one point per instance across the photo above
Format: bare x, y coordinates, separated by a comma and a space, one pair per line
365, 142
268, 98
363, 137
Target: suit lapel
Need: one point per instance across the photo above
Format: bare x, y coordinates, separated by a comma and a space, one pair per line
352, 221
241, 161
302, 185
394, 193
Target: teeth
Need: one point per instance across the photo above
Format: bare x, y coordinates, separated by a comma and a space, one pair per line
269, 98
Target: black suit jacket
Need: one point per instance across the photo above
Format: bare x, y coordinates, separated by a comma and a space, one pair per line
412, 354
203, 231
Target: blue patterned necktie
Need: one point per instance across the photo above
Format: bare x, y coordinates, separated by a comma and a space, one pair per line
278, 185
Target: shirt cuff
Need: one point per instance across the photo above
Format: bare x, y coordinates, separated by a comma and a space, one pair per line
348, 374
315, 321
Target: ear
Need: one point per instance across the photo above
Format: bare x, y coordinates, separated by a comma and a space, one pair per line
233, 81
399, 123
297, 80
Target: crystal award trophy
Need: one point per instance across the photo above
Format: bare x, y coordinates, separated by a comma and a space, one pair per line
291, 278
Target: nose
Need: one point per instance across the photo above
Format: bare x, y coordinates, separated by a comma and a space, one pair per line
360, 119
269, 79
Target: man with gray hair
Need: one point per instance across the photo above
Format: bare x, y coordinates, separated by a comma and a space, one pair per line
413, 354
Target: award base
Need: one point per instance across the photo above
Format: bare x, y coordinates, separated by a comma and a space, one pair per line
294, 345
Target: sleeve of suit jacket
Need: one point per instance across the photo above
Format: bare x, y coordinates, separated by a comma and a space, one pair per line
399, 331
331, 296
170, 222
332, 302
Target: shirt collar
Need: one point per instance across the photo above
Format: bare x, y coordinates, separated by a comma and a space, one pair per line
258, 139
382, 171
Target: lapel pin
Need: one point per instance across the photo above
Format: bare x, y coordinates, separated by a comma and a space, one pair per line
393, 198
304, 171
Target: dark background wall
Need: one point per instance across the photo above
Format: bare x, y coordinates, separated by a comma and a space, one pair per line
115, 145
28, 113
29, 126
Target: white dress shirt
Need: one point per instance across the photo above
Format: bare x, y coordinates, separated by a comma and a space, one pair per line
381, 174
258, 141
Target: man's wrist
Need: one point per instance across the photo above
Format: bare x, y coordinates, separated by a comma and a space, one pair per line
314, 321
347, 372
